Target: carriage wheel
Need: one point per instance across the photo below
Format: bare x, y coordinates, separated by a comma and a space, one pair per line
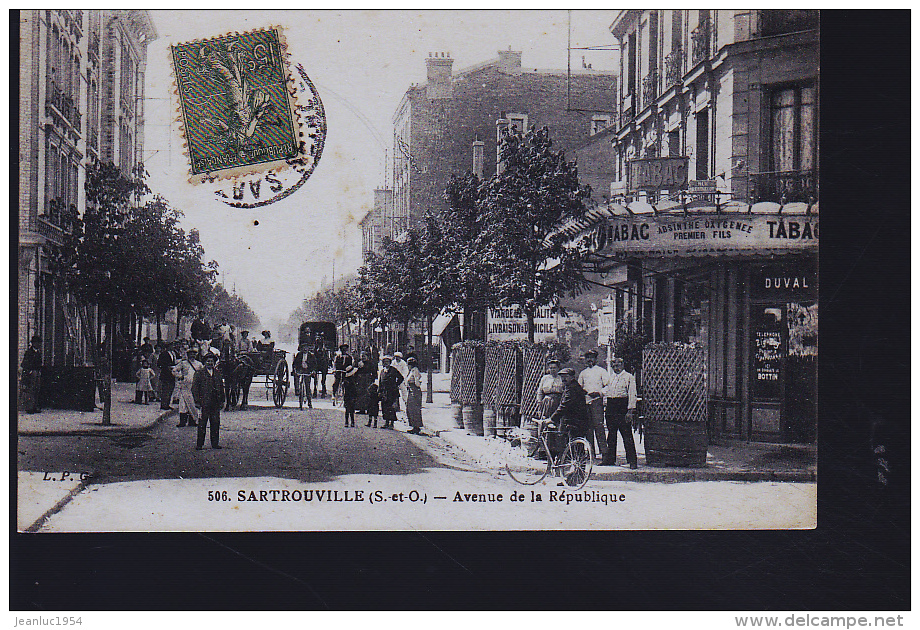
280, 383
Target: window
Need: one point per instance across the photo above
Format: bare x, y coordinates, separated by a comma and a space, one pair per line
599, 123
793, 144
702, 144
519, 121
631, 65
674, 143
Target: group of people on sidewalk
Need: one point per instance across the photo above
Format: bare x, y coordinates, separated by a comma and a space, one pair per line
583, 405
364, 388
194, 380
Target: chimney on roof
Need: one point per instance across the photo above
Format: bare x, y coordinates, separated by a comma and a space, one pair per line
509, 61
439, 67
478, 157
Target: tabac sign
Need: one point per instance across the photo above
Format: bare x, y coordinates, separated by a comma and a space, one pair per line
656, 174
704, 235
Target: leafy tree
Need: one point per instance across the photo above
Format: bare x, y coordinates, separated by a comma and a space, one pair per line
465, 275
222, 305
436, 279
522, 209
92, 258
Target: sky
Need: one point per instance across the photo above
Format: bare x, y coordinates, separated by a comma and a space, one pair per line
362, 63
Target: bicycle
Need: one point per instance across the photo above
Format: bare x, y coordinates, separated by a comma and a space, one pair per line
338, 386
531, 458
304, 382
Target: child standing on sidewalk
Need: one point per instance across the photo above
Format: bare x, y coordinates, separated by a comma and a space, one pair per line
144, 387
349, 387
373, 404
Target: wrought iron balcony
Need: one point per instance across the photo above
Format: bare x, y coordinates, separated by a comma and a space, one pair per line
699, 38
673, 68
784, 187
64, 106
649, 89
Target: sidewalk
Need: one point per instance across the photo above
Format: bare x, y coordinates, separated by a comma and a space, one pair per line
127, 417
741, 461
39, 495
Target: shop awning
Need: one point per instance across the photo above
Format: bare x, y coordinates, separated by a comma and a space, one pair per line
440, 323
639, 230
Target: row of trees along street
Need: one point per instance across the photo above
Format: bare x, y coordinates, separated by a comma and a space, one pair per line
127, 254
496, 245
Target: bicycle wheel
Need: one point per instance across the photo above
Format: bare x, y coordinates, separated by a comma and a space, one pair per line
527, 461
575, 463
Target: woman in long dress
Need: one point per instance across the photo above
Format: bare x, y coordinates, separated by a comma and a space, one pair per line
549, 391
414, 397
185, 373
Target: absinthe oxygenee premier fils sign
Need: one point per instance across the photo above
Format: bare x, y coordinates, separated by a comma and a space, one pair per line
707, 234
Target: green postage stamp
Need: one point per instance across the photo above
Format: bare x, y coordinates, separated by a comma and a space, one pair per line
237, 105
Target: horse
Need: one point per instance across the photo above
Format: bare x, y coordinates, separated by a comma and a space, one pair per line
237, 373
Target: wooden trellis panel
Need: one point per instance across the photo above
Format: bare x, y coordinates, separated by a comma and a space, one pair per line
492, 374
455, 396
674, 383
534, 369
467, 370
501, 383
509, 386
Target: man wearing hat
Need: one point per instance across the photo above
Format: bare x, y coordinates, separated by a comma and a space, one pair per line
621, 400
594, 380
572, 412
340, 364
31, 375
208, 392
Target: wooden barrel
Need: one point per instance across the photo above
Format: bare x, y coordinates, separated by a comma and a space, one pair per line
457, 415
505, 419
472, 419
676, 444
489, 421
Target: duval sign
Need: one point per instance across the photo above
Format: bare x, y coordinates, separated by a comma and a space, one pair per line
704, 235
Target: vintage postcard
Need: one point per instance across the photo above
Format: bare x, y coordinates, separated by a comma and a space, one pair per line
418, 270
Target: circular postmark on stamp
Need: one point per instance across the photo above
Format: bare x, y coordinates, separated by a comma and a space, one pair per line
261, 189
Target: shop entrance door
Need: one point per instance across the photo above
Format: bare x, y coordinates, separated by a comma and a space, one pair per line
784, 372
768, 325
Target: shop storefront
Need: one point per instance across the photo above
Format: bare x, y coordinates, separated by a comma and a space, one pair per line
744, 286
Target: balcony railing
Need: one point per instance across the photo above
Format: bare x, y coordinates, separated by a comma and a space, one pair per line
64, 105
699, 37
785, 187
673, 68
649, 89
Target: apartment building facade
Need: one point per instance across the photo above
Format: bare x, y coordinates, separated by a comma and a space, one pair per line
81, 98
710, 234
452, 123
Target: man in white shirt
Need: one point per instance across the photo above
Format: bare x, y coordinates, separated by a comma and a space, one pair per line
594, 380
621, 400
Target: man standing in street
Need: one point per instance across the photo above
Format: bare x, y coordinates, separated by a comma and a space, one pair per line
166, 362
594, 379
31, 375
621, 400
572, 412
208, 392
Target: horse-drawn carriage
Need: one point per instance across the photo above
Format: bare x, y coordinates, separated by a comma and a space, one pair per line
310, 332
240, 369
